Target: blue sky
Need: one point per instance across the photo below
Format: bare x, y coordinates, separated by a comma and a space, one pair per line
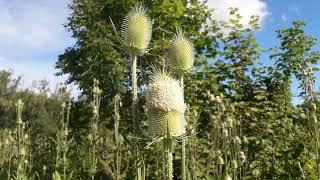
32, 33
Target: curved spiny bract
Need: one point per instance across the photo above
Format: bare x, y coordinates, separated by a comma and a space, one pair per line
181, 53
136, 30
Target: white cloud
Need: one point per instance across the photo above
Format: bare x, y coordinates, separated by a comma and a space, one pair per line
33, 23
247, 8
284, 17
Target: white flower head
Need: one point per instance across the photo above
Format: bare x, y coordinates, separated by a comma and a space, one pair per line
165, 106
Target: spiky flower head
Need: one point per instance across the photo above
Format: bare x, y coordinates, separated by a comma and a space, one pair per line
136, 29
165, 106
181, 53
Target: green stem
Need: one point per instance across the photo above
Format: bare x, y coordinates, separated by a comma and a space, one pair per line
134, 84
183, 144
169, 158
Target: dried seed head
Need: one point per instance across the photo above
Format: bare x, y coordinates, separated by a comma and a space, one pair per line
242, 156
223, 107
237, 140
136, 29
313, 107
220, 160
256, 173
181, 53
225, 132
245, 140
232, 109
229, 122
26, 136
227, 177
218, 99
212, 98
234, 164
165, 106
23, 152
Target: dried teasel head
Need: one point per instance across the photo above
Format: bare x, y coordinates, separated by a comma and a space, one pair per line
220, 160
165, 106
229, 122
227, 177
136, 30
181, 53
237, 140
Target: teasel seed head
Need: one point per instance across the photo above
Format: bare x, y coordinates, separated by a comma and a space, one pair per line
313, 107
181, 53
136, 30
242, 156
218, 99
237, 140
229, 122
223, 108
165, 106
245, 140
225, 132
234, 164
220, 160
227, 177
212, 98
256, 173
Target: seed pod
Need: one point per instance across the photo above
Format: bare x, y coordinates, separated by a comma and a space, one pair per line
181, 53
165, 106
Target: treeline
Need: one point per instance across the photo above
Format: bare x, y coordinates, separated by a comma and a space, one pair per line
241, 118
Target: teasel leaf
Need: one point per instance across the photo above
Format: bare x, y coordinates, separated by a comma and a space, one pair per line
180, 54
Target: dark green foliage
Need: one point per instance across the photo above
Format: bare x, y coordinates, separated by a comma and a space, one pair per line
228, 81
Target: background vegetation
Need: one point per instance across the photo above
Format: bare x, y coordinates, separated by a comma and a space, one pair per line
242, 121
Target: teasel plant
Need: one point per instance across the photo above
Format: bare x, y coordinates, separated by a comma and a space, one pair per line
7, 151
135, 36
62, 145
226, 141
180, 58
165, 109
307, 84
22, 140
93, 131
117, 104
